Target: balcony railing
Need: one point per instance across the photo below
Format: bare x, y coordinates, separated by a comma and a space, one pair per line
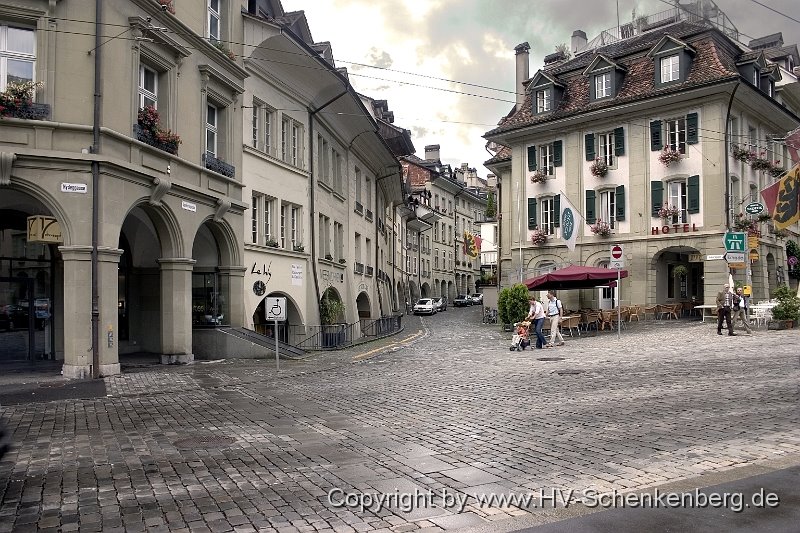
358, 268
369, 271
219, 166
368, 214
32, 111
359, 208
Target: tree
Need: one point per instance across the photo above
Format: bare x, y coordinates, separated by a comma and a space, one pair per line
512, 304
491, 208
330, 307
788, 307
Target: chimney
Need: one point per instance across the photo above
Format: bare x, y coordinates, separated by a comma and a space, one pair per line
523, 73
432, 152
491, 181
578, 41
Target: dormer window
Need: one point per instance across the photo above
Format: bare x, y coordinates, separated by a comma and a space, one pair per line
670, 68
602, 85
756, 74
673, 59
543, 101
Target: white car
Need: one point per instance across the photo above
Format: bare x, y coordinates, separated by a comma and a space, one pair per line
440, 303
477, 298
425, 306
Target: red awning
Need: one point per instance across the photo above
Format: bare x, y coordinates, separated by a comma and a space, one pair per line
574, 277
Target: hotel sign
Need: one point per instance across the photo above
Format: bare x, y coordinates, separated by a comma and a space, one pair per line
44, 229
673, 228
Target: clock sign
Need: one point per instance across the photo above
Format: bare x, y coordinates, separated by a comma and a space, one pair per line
259, 288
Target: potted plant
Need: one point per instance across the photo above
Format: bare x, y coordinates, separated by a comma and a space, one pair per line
764, 217
331, 310
599, 168
271, 242
538, 176
680, 271
742, 154
17, 100
512, 305
298, 247
600, 228
150, 132
669, 156
787, 313
538, 237
342, 260
329, 257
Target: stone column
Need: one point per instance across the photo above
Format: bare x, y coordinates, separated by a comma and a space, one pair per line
233, 278
77, 298
108, 276
176, 310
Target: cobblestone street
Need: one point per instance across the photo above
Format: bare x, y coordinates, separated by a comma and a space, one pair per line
444, 408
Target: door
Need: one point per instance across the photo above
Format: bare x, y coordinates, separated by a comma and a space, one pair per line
17, 322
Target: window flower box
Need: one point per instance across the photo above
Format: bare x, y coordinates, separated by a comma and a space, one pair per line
538, 176
601, 228
329, 257
538, 237
669, 156
599, 168
148, 131
271, 243
17, 102
298, 248
219, 166
668, 211
742, 154
342, 260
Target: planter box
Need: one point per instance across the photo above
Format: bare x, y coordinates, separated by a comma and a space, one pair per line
780, 324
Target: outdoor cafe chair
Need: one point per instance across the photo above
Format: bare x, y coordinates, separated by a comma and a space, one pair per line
569, 323
650, 310
633, 311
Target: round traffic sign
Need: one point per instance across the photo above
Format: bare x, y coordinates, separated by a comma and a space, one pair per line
754, 208
616, 251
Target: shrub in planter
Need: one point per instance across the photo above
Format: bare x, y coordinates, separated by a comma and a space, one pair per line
788, 307
512, 304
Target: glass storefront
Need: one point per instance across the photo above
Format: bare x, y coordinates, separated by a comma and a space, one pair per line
210, 302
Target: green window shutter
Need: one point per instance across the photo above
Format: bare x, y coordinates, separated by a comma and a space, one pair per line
531, 158
693, 194
691, 128
590, 146
557, 210
557, 156
656, 143
590, 207
656, 196
619, 141
619, 198
531, 213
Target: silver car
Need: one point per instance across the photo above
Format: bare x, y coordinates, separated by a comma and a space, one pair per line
425, 306
440, 303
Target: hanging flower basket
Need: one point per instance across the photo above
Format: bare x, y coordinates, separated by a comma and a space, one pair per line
538, 177
680, 271
761, 164
599, 168
669, 156
538, 237
668, 211
601, 228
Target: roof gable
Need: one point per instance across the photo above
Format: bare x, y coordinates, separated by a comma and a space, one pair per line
601, 62
542, 78
667, 44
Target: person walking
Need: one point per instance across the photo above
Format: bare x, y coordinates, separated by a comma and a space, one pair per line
724, 304
554, 312
536, 315
741, 309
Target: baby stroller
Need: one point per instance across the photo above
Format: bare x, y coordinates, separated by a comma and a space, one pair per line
520, 341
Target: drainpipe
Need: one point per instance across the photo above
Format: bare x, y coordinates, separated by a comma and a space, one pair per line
727, 176
95, 192
311, 113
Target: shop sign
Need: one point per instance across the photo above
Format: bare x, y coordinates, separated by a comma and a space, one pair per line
674, 228
696, 258
754, 255
44, 229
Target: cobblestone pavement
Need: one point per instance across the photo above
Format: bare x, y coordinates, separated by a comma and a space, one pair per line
443, 412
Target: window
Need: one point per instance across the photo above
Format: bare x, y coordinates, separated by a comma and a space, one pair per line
608, 207
670, 69
676, 134
295, 143
213, 20
262, 127
357, 258
734, 133
211, 130
17, 55
606, 148
284, 208
752, 138
284, 139
256, 121
547, 216
357, 180
368, 249
546, 159
736, 193
267, 217
338, 237
542, 101
677, 198
602, 85
436, 259
255, 206
324, 236
337, 170
368, 194
148, 87
753, 192
294, 226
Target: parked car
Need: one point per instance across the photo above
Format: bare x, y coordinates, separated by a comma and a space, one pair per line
13, 317
462, 300
441, 303
425, 306
477, 298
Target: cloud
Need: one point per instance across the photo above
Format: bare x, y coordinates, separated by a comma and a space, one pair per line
378, 58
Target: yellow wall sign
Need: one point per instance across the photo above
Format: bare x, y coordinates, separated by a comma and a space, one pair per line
44, 229
754, 255
752, 241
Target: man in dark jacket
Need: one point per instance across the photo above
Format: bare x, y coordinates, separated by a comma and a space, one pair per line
725, 299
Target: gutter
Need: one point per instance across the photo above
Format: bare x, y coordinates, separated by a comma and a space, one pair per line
95, 185
727, 163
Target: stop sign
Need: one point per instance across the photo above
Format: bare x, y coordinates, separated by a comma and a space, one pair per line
616, 251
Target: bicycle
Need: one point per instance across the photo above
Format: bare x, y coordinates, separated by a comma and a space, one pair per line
490, 316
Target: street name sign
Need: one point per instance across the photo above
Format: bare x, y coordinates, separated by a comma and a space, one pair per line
715, 257
735, 241
617, 258
754, 208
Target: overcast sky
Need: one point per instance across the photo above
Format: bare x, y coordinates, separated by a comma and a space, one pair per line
447, 66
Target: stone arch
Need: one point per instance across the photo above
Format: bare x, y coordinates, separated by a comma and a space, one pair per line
167, 227
670, 288
226, 240
294, 317
363, 306
772, 275
425, 290
48, 201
